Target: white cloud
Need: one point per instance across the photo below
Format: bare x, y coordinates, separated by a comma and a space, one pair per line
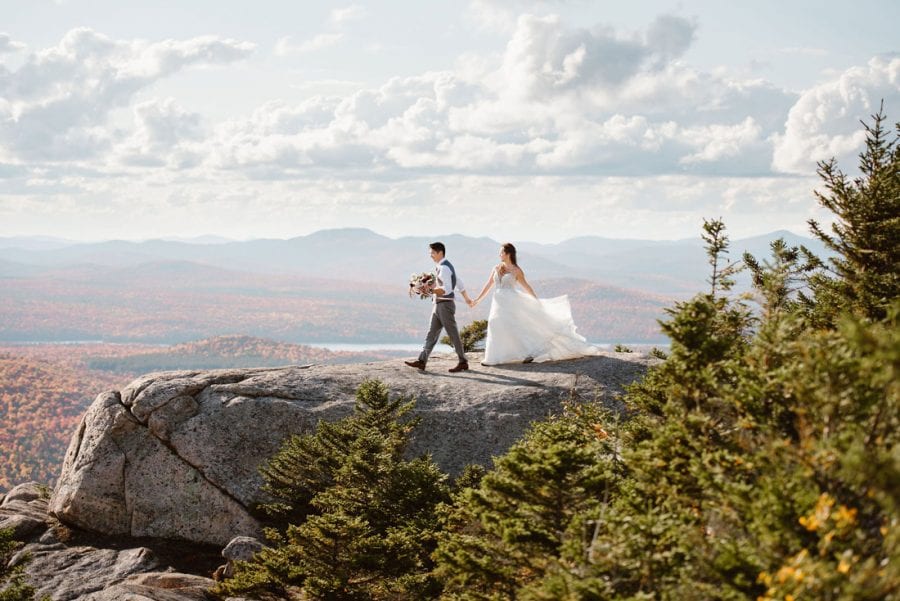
616, 128
163, 135
543, 58
715, 142
8, 45
539, 208
558, 100
59, 101
669, 37
824, 122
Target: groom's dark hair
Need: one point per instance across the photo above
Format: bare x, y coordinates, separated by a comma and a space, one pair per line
439, 247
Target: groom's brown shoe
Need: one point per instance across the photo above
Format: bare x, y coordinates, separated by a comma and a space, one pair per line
417, 364
461, 366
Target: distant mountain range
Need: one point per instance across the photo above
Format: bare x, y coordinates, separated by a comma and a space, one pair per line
670, 268
346, 285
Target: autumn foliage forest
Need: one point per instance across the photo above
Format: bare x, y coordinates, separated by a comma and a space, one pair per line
40, 404
170, 304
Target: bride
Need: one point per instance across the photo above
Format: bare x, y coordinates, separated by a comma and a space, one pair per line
522, 327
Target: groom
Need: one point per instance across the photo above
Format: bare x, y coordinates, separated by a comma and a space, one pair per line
443, 313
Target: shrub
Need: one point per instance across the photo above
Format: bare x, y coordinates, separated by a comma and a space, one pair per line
12, 580
510, 528
358, 521
470, 335
658, 353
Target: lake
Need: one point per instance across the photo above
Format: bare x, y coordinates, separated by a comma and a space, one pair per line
410, 347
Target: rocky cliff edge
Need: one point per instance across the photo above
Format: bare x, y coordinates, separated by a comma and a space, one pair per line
176, 455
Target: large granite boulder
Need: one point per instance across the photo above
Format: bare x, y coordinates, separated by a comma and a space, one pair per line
176, 455
64, 564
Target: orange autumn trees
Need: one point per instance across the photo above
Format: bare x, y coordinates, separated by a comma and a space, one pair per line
40, 404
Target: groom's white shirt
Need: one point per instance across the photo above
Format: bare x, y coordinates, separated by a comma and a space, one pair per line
444, 278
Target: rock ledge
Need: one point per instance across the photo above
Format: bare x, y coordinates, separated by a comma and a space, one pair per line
175, 455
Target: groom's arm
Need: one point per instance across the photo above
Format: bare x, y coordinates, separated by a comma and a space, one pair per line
462, 290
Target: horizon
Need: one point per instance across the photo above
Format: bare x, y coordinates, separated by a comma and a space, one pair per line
508, 119
214, 239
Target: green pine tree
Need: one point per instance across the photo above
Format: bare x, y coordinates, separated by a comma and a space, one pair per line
766, 467
759, 462
781, 283
722, 274
510, 530
819, 517
361, 520
865, 274
650, 539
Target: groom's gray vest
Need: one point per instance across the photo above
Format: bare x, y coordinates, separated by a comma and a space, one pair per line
449, 296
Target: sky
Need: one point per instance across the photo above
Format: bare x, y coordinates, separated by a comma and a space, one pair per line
515, 120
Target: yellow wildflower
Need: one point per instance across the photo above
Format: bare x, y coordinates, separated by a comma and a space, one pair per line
784, 573
820, 514
809, 522
845, 516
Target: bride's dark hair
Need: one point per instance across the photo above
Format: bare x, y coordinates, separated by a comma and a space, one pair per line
510, 250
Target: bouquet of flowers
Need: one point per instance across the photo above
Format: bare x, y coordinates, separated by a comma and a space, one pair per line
421, 284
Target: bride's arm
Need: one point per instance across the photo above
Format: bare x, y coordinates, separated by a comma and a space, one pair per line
485, 290
520, 277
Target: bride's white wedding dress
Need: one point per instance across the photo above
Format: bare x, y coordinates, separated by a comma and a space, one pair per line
522, 327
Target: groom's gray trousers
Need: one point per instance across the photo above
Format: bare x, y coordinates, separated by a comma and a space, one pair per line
443, 317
